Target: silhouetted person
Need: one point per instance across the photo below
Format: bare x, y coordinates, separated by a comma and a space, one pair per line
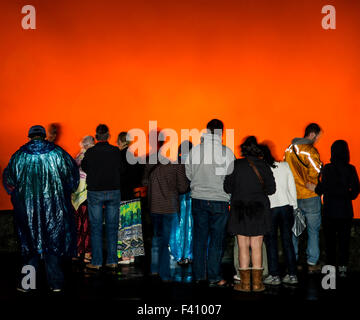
339, 184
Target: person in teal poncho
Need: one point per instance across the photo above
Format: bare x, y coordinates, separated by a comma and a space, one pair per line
40, 178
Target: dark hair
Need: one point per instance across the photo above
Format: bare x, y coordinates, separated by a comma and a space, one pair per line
267, 156
122, 137
54, 130
215, 124
102, 132
312, 128
340, 152
185, 147
250, 147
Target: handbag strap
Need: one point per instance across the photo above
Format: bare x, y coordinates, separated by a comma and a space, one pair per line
302, 162
252, 165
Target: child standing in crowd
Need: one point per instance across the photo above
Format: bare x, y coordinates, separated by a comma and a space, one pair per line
339, 184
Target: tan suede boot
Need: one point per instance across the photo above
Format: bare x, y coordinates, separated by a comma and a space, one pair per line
257, 282
244, 284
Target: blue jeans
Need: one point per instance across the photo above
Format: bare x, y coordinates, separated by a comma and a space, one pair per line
160, 256
54, 272
282, 217
110, 200
311, 208
210, 218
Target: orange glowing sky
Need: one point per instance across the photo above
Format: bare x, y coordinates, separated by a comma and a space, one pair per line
265, 68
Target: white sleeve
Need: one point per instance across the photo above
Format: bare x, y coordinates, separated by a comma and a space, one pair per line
291, 187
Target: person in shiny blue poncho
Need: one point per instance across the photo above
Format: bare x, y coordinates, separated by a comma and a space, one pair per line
40, 178
181, 237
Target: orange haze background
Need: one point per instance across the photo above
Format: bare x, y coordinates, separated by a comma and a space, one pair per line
265, 68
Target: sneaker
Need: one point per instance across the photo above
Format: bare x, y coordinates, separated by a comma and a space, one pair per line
290, 279
125, 261
237, 278
342, 271
272, 280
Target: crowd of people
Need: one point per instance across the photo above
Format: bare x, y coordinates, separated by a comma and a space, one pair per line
191, 205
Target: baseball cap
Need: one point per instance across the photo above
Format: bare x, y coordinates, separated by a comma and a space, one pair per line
37, 131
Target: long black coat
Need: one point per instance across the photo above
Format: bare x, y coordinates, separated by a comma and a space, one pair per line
250, 205
340, 185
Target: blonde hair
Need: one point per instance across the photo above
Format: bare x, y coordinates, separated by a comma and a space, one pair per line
87, 141
122, 137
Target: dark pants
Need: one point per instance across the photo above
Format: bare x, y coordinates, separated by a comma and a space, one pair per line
111, 201
337, 231
160, 256
54, 272
282, 217
210, 218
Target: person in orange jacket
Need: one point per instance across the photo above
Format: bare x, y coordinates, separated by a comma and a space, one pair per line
304, 161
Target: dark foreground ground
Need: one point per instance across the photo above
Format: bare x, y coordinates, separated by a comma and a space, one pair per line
128, 292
